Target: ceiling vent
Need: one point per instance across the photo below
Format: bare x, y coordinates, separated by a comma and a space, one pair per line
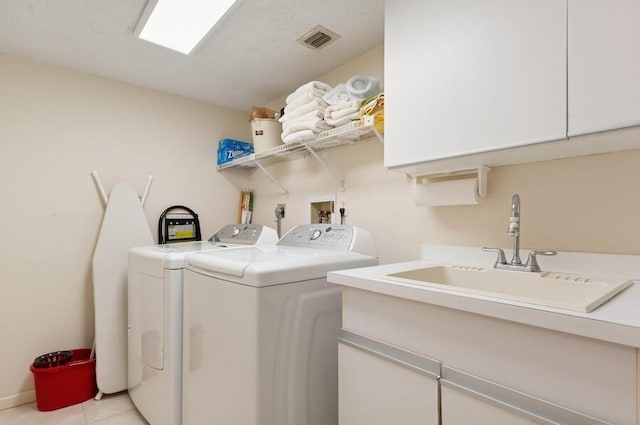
318, 38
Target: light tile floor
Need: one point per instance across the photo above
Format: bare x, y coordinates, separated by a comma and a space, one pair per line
113, 409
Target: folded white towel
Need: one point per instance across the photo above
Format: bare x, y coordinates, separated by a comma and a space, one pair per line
340, 110
342, 113
303, 97
337, 95
313, 120
343, 120
309, 91
316, 125
303, 102
314, 85
311, 115
299, 136
316, 104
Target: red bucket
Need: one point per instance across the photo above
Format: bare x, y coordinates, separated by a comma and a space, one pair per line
70, 383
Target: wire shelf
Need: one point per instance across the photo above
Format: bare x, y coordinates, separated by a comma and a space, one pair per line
344, 135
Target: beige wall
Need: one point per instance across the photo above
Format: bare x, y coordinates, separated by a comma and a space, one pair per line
55, 127
587, 204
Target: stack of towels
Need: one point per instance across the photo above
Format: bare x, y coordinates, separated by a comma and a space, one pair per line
346, 100
304, 113
342, 113
316, 107
343, 107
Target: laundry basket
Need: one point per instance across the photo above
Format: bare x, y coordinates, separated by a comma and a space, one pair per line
63, 378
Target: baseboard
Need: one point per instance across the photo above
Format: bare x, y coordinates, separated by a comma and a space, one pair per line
17, 399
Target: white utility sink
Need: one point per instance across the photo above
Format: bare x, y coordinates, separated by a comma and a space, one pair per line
551, 289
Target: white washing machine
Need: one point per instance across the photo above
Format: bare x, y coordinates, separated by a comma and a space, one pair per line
261, 329
155, 317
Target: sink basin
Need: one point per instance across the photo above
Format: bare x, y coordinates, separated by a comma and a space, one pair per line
559, 290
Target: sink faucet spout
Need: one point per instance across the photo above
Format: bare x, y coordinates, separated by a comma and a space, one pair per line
514, 229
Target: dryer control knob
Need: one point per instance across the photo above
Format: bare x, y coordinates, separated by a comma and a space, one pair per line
315, 234
235, 231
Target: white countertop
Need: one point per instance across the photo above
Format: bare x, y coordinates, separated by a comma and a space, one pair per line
617, 320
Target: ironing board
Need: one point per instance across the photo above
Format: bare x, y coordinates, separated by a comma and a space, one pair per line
124, 225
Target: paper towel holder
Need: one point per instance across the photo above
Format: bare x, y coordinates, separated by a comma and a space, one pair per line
481, 173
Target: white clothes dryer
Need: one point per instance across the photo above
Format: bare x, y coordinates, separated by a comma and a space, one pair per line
155, 317
261, 329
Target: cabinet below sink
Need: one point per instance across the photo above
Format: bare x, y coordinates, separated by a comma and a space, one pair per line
500, 362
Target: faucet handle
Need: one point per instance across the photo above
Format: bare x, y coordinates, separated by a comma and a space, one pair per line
502, 259
532, 261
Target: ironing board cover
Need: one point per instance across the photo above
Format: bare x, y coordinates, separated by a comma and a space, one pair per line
124, 226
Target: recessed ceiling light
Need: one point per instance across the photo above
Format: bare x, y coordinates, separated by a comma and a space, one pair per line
180, 24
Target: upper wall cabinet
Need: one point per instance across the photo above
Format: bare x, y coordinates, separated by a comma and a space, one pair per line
604, 65
463, 76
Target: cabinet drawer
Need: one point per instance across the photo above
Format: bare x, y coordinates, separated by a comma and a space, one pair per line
466, 396
380, 384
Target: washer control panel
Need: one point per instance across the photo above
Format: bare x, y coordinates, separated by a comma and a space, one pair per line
323, 236
246, 234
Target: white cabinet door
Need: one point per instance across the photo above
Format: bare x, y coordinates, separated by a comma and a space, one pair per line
463, 76
604, 65
467, 399
461, 408
373, 390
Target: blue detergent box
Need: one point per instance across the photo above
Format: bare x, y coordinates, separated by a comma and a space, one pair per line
230, 149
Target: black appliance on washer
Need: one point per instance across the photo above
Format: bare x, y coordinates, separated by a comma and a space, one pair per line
178, 224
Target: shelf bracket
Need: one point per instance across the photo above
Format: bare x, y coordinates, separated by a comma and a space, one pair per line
370, 121
327, 167
271, 177
377, 133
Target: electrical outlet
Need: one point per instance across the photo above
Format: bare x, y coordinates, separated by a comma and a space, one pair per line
281, 208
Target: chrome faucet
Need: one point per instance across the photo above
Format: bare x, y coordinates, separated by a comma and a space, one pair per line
514, 230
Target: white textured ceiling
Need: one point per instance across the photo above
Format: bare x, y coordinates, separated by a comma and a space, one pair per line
250, 58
